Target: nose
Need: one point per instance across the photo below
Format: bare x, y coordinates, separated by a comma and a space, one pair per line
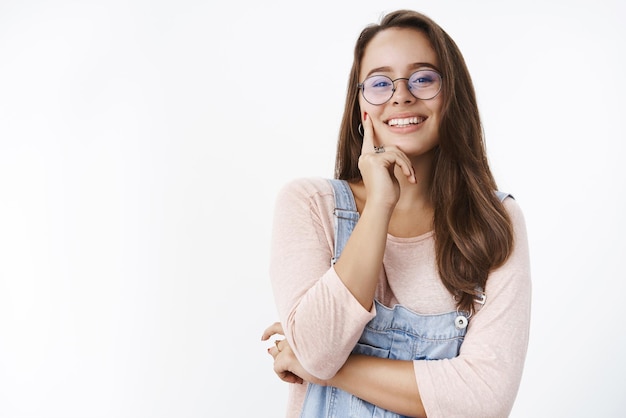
401, 92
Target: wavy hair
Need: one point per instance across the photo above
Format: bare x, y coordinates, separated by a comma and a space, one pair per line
472, 230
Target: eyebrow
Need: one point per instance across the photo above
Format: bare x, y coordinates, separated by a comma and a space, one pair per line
414, 66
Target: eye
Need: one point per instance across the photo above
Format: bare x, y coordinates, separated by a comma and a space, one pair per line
423, 78
378, 82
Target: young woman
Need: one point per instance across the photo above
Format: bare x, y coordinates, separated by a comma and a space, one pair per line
403, 286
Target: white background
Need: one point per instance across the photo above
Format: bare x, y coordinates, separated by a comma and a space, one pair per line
141, 147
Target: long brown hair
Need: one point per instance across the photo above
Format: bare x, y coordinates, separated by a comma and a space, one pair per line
473, 232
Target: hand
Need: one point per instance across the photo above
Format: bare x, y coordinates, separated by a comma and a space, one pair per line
286, 364
378, 169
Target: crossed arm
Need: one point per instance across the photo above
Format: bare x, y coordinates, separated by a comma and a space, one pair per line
387, 383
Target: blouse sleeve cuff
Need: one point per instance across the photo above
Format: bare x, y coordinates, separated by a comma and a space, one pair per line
343, 294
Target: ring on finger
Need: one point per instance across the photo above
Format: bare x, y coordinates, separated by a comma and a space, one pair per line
379, 150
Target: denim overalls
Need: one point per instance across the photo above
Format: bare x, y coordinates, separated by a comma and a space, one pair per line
396, 333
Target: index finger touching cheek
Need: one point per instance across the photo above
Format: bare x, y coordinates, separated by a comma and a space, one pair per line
368, 135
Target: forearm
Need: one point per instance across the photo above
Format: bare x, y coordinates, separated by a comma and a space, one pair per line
361, 260
387, 383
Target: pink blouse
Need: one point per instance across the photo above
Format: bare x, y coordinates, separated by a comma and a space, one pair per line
323, 321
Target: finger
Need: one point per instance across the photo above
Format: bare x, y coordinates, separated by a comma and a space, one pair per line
393, 156
368, 135
405, 165
284, 374
289, 377
276, 348
273, 351
280, 369
275, 328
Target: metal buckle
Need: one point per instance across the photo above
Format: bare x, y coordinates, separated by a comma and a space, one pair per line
481, 298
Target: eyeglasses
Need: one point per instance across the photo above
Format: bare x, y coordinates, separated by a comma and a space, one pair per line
379, 89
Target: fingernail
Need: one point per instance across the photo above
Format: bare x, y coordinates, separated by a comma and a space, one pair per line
364, 116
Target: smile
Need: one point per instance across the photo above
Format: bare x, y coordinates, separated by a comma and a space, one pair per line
406, 121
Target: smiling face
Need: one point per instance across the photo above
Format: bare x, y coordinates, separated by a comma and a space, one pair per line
409, 123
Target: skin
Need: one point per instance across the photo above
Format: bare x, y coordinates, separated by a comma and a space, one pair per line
391, 198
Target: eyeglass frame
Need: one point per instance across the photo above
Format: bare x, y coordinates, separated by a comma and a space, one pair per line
361, 86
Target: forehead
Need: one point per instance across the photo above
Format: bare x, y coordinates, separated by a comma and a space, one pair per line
397, 49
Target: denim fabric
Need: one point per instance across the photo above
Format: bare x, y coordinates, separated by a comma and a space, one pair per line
346, 215
396, 333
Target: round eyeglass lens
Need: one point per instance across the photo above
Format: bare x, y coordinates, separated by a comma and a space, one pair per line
377, 89
425, 84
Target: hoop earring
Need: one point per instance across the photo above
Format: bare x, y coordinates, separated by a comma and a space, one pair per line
360, 129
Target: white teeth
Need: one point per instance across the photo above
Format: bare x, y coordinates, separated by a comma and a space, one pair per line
406, 121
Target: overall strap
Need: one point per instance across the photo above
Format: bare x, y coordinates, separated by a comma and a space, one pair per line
346, 215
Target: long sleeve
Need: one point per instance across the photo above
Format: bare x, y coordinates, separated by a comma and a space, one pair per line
321, 318
484, 379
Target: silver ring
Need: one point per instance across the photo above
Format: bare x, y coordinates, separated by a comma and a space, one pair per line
379, 150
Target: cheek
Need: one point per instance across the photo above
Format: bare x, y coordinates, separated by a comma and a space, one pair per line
436, 105
370, 109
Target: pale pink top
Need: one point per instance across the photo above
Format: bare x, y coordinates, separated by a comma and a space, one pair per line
323, 321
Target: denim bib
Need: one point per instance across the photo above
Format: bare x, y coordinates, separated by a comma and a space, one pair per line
396, 333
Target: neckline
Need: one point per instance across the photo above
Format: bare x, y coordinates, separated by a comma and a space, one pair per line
417, 238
